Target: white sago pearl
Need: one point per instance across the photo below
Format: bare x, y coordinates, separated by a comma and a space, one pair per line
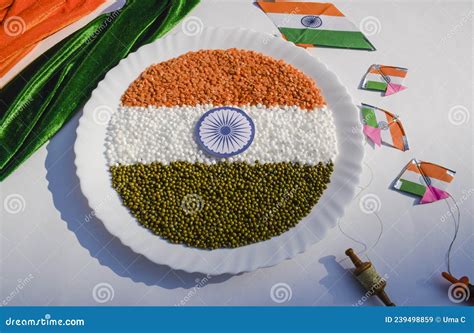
163, 134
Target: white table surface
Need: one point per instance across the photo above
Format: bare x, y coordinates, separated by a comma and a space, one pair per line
57, 252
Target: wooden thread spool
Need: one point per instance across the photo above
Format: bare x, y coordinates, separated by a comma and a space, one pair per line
369, 278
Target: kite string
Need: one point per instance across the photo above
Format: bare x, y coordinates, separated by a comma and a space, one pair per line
457, 223
365, 248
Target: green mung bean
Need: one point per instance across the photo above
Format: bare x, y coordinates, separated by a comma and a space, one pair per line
224, 205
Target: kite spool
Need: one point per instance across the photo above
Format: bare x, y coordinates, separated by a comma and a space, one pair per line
369, 278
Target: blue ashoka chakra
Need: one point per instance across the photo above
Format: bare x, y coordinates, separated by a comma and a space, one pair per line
311, 21
383, 125
225, 131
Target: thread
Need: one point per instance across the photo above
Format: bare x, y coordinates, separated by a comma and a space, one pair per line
365, 247
370, 279
457, 223
380, 232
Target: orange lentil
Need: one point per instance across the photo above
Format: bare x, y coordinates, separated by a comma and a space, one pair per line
223, 77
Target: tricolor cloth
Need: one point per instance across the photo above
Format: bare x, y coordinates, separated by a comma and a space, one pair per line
37, 104
224, 134
386, 79
381, 126
315, 24
426, 180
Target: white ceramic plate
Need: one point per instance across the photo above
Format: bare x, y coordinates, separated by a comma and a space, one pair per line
95, 179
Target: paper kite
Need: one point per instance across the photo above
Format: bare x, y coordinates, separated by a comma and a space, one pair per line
315, 24
426, 180
381, 126
386, 79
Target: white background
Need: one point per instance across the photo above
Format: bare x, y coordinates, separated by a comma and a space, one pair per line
53, 235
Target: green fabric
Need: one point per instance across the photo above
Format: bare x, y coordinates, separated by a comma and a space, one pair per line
414, 188
369, 117
50, 90
328, 38
374, 85
33, 97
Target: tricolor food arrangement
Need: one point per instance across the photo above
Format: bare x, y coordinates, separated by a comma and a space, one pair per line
247, 138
